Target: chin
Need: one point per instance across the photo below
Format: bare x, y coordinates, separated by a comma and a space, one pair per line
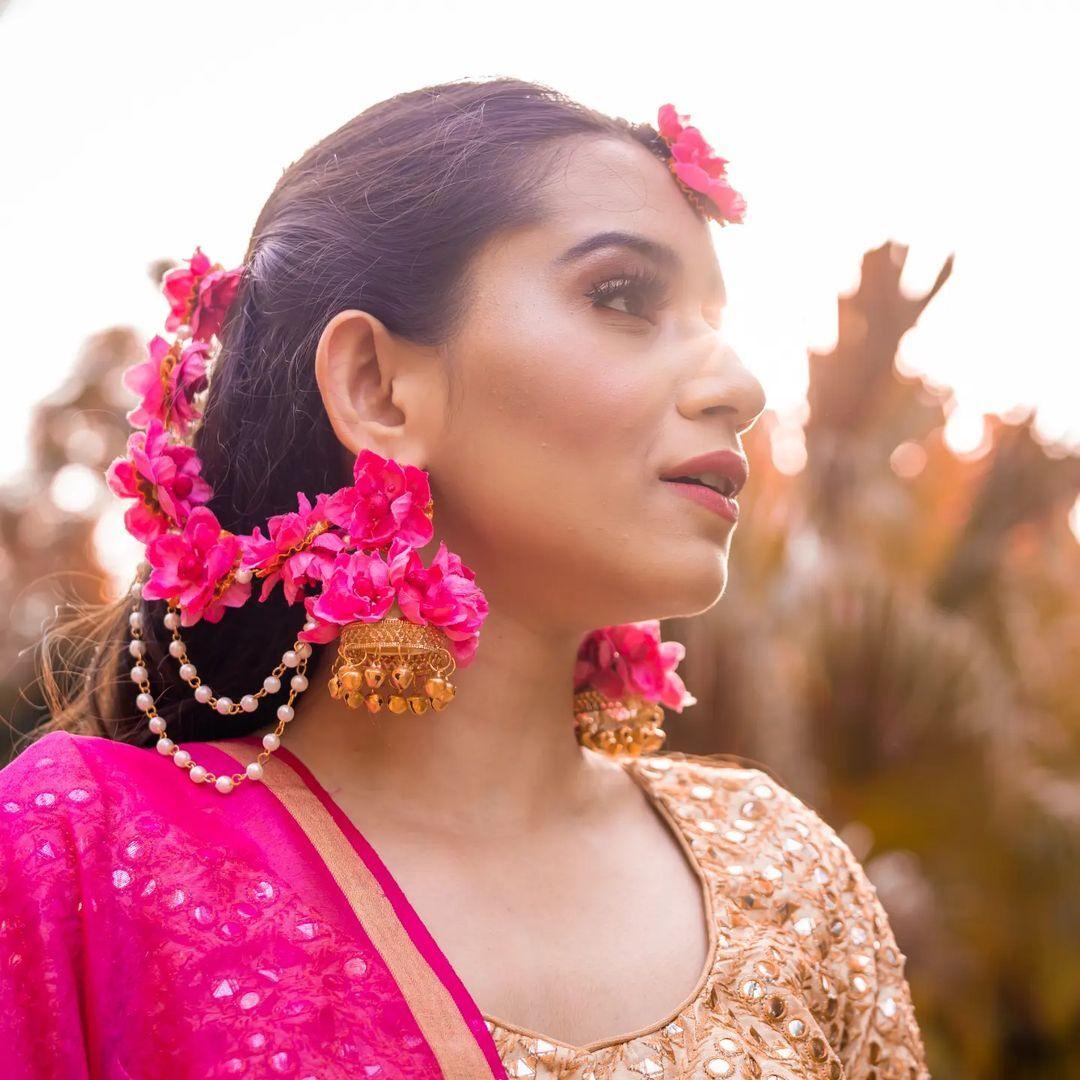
704, 599
697, 588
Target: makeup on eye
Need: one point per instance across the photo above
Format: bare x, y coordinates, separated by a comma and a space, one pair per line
644, 291
646, 287
665, 258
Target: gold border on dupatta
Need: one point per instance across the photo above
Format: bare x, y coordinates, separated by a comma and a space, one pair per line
455, 1047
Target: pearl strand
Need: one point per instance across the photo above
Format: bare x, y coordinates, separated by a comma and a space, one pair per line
296, 657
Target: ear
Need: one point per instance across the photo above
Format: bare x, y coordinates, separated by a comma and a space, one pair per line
365, 375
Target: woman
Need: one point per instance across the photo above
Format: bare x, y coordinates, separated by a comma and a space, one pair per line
485, 286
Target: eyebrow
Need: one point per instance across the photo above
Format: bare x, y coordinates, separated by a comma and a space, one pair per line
662, 254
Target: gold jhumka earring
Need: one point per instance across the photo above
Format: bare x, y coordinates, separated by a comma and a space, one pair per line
410, 656
619, 727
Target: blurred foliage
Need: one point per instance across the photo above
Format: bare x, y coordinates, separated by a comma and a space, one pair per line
48, 514
899, 643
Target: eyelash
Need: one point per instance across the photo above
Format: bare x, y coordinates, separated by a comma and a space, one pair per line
645, 284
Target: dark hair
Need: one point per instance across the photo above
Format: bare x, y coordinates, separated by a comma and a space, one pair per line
383, 214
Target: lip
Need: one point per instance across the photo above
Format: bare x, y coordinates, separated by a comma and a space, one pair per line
711, 500
727, 462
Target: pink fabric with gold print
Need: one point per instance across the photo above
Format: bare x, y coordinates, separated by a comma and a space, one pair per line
148, 931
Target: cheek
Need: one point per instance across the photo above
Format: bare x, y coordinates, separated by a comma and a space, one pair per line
550, 460
563, 388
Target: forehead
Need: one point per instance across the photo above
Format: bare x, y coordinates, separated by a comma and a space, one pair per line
617, 175
601, 185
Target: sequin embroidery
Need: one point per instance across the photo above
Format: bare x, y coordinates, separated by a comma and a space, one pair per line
808, 981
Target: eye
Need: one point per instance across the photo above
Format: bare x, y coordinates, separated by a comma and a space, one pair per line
642, 289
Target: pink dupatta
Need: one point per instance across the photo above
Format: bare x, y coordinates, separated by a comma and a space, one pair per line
151, 929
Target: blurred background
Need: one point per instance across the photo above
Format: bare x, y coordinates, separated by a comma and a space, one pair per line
899, 642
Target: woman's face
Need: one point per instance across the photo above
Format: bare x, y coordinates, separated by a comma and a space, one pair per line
571, 403
579, 378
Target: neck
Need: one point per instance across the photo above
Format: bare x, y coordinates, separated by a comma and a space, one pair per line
503, 750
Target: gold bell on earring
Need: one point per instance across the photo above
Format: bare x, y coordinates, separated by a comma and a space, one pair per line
625, 727
394, 652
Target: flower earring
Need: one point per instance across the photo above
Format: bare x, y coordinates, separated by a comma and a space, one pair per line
402, 625
623, 676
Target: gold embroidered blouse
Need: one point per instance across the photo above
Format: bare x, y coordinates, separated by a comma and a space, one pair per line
804, 978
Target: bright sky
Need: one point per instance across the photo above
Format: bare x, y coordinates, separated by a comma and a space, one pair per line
135, 130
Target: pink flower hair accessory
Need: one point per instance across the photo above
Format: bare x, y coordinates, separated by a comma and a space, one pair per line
196, 569
700, 171
299, 551
167, 382
163, 479
348, 556
199, 297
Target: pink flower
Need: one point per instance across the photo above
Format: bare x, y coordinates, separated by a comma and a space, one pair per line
444, 594
309, 566
216, 293
323, 632
385, 501
163, 479
189, 568
698, 166
167, 382
631, 659
179, 284
356, 589
200, 295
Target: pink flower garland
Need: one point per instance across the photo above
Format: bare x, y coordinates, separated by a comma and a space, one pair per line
162, 477
195, 567
167, 382
199, 296
328, 555
285, 557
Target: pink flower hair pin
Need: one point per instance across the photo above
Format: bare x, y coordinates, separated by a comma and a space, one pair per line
700, 171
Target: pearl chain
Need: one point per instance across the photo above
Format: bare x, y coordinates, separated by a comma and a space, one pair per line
296, 657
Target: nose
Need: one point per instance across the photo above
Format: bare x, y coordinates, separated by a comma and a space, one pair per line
723, 386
